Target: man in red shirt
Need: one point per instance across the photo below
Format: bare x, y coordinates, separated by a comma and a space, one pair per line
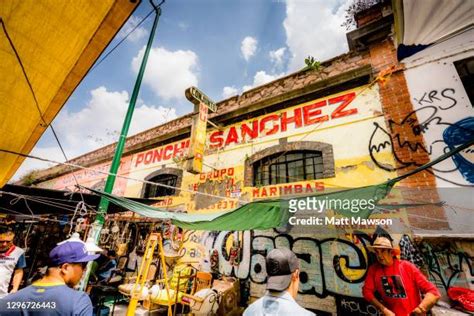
395, 286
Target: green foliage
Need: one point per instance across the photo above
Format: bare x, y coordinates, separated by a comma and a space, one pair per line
29, 178
312, 63
354, 8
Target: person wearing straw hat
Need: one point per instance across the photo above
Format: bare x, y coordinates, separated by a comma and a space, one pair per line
395, 286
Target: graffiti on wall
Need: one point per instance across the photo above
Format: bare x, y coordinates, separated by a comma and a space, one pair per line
405, 137
355, 306
448, 267
330, 267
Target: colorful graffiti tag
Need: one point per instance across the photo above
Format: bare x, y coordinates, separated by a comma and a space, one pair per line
413, 135
330, 267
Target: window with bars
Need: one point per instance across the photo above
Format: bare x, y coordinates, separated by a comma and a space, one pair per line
288, 167
152, 191
465, 69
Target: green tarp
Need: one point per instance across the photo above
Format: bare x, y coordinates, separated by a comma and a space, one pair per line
266, 214
258, 214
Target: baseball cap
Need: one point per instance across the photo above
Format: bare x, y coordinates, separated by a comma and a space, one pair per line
70, 252
280, 264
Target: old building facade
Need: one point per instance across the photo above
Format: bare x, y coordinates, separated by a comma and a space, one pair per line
358, 120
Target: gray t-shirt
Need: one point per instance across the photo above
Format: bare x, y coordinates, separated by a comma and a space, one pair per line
281, 304
46, 299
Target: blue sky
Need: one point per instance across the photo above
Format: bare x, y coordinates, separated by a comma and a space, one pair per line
224, 47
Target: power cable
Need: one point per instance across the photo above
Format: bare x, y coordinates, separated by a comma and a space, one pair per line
13, 202
119, 176
393, 181
40, 217
37, 200
121, 41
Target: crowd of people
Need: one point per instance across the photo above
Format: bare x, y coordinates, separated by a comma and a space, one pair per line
394, 286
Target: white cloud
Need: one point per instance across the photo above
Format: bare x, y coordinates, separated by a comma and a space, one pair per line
248, 47
137, 35
276, 56
246, 88
100, 121
168, 73
314, 28
228, 92
97, 124
261, 78
29, 164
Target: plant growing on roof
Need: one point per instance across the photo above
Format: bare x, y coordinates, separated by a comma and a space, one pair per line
356, 7
29, 178
312, 63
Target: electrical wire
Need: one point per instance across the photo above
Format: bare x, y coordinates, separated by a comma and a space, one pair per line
143, 181
32, 199
60, 200
121, 41
419, 169
13, 202
39, 217
120, 176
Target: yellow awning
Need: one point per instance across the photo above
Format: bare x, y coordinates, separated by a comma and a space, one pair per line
57, 42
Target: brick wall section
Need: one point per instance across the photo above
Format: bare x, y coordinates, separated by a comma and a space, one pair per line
396, 106
330, 68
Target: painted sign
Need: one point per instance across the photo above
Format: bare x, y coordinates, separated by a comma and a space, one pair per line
196, 96
94, 177
175, 151
341, 120
198, 130
198, 141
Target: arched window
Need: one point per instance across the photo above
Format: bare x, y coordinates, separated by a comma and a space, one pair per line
289, 162
168, 176
288, 167
152, 191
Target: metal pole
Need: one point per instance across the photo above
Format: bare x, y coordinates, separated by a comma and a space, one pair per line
109, 185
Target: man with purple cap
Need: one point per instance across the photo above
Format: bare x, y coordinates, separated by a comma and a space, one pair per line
283, 270
54, 294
